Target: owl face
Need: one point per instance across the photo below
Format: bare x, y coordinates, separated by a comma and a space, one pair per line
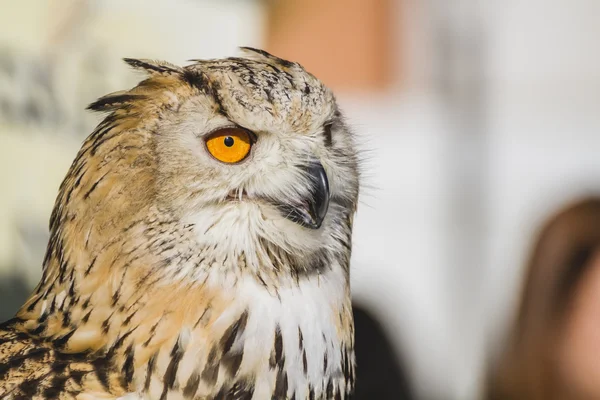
260, 153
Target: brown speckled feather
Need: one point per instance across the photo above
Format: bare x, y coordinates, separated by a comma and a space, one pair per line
34, 369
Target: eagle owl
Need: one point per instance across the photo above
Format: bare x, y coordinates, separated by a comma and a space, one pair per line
199, 245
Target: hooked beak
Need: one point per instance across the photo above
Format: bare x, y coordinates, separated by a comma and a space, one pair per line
311, 212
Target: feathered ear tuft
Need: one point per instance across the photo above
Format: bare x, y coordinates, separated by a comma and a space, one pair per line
114, 101
153, 67
261, 55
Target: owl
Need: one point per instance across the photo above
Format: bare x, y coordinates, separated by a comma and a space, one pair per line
199, 245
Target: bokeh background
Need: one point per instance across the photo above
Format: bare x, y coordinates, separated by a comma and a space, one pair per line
477, 118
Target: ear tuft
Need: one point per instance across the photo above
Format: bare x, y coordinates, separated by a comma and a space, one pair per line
153, 67
114, 101
261, 55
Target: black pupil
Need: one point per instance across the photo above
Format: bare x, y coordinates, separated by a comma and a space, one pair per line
228, 141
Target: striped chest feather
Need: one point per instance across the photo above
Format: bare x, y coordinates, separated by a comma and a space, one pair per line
243, 343
296, 344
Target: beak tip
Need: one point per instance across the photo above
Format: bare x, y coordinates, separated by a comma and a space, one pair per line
313, 213
315, 224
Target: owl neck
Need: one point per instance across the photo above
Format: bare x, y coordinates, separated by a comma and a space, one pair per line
98, 286
145, 319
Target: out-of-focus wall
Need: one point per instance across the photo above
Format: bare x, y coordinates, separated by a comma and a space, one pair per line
532, 128
544, 125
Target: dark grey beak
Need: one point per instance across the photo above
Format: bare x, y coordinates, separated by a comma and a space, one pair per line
311, 212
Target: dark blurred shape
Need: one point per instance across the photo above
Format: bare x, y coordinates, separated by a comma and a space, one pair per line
530, 366
13, 293
379, 372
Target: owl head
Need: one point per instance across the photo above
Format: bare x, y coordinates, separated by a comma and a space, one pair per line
248, 152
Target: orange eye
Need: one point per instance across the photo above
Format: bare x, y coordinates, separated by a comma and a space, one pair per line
229, 145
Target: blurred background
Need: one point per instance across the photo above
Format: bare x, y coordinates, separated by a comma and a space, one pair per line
477, 119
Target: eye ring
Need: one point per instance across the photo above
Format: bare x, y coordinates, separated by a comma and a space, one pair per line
229, 145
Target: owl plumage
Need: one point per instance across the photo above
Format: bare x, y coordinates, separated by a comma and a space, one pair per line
170, 274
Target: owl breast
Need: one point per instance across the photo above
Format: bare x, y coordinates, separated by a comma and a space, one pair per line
258, 344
